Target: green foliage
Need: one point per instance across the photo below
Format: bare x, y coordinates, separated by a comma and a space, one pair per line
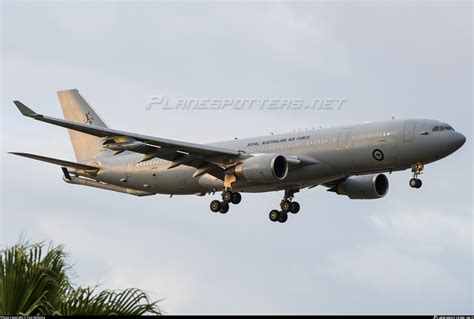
84, 301
33, 284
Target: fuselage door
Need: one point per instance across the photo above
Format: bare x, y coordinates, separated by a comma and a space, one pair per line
342, 140
409, 131
131, 161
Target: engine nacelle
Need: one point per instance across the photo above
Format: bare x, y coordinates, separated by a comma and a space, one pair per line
125, 146
263, 168
363, 187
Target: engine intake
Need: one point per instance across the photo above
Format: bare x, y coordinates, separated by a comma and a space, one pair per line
363, 187
263, 168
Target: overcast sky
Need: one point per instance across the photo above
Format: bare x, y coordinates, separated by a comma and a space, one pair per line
410, 252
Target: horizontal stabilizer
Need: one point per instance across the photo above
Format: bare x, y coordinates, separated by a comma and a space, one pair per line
57, 161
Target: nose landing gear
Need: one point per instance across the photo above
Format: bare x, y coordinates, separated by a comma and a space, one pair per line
228, 196
417, 170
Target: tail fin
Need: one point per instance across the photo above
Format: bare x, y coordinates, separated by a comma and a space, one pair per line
75, 108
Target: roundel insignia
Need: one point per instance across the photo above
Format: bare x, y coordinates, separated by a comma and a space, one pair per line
377, 155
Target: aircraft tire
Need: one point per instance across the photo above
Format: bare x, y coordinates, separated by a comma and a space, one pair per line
285, 206
215, 206
227, 196
295, 207
236, 198
418, 183
274, 215
283, 217
224, 208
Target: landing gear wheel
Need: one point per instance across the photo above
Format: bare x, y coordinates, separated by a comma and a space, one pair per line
274, 215
415, 183
417, 170
236, 198
283, 217
215, 206
285, 206
226, 196
418, 183
224, 208
295, 207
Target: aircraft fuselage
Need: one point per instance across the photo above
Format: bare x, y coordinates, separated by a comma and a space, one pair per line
337, 152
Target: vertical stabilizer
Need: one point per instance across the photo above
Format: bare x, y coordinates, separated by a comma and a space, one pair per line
75, 108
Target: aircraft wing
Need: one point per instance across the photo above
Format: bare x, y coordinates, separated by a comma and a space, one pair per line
205, 158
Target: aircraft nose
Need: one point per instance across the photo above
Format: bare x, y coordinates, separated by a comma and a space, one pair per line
459, 140
449, 143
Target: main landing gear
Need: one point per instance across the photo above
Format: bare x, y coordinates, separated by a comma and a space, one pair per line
417, 169
228, 196
286, 206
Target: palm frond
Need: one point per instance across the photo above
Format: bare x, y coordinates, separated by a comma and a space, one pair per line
129, 302
33, 284
30, 283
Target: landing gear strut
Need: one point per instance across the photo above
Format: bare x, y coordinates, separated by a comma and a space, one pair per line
286, 206
417, 170
228, 196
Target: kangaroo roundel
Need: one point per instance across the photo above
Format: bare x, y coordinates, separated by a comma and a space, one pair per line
377, 155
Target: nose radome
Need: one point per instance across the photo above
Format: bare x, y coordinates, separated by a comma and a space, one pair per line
459, 140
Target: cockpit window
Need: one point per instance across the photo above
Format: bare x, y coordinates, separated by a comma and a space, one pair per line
444, 127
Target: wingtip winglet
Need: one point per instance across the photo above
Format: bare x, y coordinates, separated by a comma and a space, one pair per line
25, 110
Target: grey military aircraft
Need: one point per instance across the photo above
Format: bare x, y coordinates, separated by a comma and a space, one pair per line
348, 160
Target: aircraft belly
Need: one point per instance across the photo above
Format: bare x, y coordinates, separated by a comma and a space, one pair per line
173, 181
210, 183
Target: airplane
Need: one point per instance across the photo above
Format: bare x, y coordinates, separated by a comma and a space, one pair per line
349, 160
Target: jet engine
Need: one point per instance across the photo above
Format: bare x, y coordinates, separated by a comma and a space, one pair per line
130, 145
363, 187
263, 168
